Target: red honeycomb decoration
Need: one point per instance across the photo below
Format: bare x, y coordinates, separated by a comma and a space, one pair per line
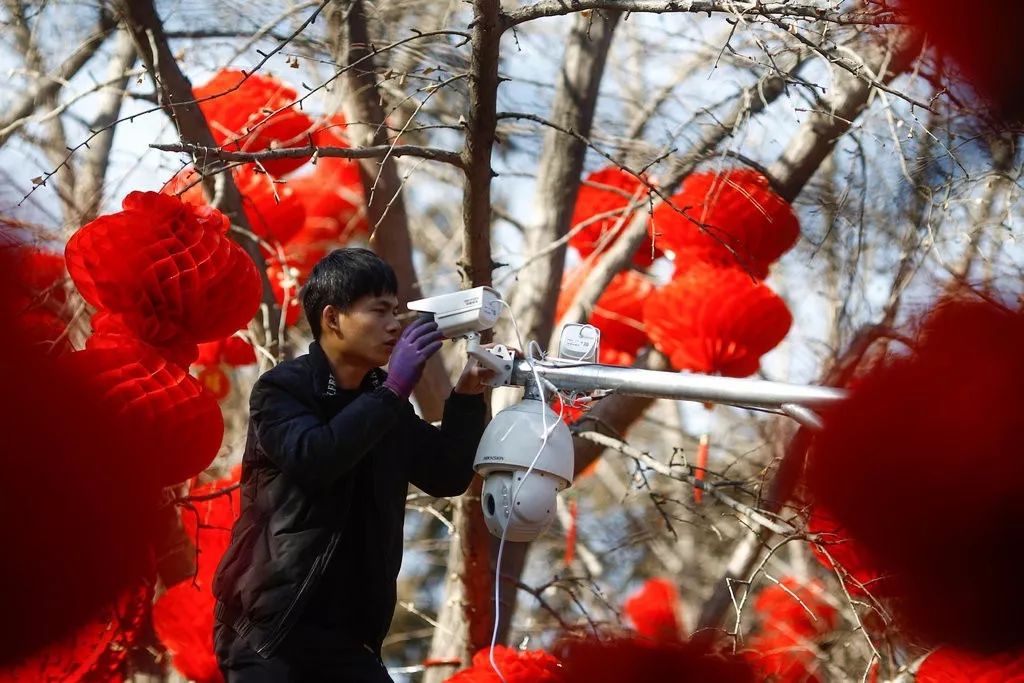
639, 660
516, 666
166, 270
947, 665
794, 616
939, 428
609, 189
83, 519
285, 284
183, 616
982, 38
332, 196
618, 314
95, 652
37, 294
733, 219
654, 611
716, 320
254, 113
273, 210
174, 426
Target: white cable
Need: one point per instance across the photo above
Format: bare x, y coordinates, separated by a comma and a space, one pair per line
512, 506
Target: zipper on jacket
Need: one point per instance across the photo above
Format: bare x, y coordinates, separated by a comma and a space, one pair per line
283, 626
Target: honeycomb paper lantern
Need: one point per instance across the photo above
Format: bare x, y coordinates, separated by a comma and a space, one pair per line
183, 615
175, 426
947, 665
166, 269
653, 610
939, 430
244, 116
273, 210
733, 219
716, 320
516, 666
609, 189
618, 313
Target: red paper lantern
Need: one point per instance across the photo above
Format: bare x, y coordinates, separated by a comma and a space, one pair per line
166, 269
939, 429
947, 665
618, 313
732, 219
835, 547
254, 113
653, 611
95, 652
183, 616
794, 615
273, 210
285, 284
332, 196
608, 190
982, 38
233, 351
81, 521
716, 320
175, 426
37, 295
638, 660
516, 666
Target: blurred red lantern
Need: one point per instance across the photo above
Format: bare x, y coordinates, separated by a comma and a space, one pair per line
82, 520
638, 660
716, 320
95, 652
653, 611
835, 549
794, 616
618, 314
37, 296
733, 219
332, 196
609, 190
252, 113
273, 210
947, 665
183, 615
166, 269
216, 381
939, 429
234, 351
982, 38
174, 425
516, 666
285, 284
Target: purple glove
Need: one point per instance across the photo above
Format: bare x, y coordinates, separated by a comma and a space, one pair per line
418, 343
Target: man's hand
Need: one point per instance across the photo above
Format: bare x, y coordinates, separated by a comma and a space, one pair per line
418, 343
474, 377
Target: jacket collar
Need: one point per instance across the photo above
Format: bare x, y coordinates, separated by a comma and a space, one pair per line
324, 384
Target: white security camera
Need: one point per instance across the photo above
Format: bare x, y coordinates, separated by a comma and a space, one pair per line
460, 314
466, 314
518, 505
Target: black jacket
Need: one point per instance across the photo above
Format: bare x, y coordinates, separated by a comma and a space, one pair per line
325, 475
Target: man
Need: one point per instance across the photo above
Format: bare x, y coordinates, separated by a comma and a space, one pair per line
306, 589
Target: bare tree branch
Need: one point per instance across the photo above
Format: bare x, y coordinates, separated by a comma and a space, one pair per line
44, 89
385, 205
94, 167
176, 98
809, 11
374, 152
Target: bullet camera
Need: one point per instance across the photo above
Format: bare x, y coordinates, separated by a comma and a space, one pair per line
460, 314
518, 505
466, 314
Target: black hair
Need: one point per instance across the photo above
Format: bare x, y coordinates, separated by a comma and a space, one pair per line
343, 277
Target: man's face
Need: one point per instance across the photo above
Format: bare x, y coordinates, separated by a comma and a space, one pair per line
366, 333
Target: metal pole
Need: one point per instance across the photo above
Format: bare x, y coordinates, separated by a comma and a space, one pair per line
744, 393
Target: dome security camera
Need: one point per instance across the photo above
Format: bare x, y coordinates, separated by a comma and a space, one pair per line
517, 505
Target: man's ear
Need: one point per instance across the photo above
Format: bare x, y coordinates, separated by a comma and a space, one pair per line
329, 320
